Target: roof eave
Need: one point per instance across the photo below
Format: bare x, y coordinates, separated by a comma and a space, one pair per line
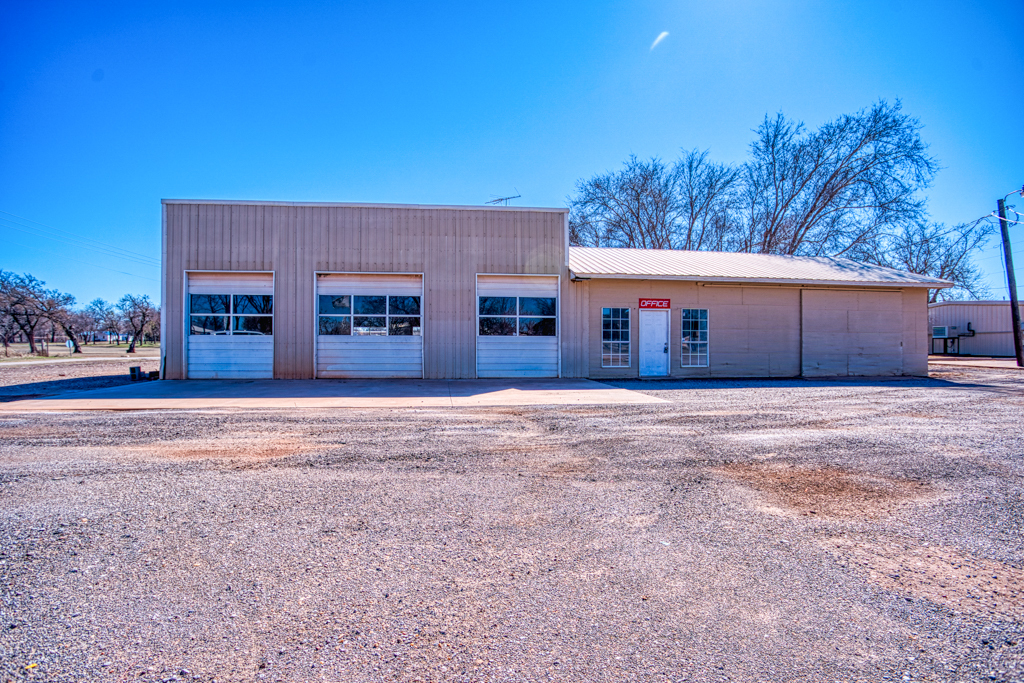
363, 205
930, 284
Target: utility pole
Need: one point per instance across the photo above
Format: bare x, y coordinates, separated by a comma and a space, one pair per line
1011, 282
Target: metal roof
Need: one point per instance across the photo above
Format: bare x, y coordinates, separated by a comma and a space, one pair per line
363, 205
719, 266
973, 302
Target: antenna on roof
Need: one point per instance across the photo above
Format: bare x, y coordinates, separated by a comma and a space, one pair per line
504, 200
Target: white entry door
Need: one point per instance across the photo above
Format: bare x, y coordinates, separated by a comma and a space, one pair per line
653, 343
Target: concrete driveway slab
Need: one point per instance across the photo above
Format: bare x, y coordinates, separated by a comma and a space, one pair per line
200, 394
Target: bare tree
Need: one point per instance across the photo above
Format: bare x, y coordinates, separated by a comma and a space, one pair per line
933, 249
8, 327
20, 296
635, 207
137, 312
107, 318
706, 193
59, 310
845, 189
837, 189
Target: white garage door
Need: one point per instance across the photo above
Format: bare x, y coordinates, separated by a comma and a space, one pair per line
230, 325
517, 326
369, 325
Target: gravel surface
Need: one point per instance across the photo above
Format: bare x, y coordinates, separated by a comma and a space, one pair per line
747, 531
35, 379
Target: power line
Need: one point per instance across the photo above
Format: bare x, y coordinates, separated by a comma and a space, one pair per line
93, 265
148, 261
76, 237
108, 250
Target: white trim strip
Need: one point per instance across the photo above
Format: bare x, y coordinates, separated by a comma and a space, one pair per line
362, 205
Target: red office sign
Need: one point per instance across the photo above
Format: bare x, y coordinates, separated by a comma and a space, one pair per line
661, 304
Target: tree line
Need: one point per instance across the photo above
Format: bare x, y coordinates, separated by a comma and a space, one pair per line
853, 188
27, 306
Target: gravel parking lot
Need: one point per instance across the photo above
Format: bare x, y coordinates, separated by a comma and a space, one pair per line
859, 530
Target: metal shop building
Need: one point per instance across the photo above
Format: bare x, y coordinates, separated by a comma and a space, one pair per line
972, 328
304, 290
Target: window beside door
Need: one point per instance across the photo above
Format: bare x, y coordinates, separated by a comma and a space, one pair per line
615, 338
693, 347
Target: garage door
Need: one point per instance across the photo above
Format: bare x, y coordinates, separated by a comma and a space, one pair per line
517, 326
369, 325
230, 325
851, 333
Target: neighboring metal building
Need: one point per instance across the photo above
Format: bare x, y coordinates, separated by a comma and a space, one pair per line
302, 290
972, 328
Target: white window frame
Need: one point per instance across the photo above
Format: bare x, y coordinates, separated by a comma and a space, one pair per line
629, 344
231, 315
387, 315
517, 316
706, 342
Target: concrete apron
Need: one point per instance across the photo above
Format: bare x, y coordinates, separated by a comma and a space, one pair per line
203, 394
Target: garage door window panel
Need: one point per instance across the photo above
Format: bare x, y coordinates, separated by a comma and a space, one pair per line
403, 327
210, 303
252, 324
497, 305
209, 324
524, 316
369, 315
370, 305
497, 327
537, 306
404, 305
231, 314
369, 325
335, 325
536, 327
253, 304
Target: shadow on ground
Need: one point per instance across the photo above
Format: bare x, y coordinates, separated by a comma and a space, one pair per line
28, 390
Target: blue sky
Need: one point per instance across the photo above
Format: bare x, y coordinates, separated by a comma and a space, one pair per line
107, 108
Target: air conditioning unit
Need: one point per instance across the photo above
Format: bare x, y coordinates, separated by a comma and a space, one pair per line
940, 332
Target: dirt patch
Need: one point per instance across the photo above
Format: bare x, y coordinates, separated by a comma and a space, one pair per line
827, 491
230, 448
943, 575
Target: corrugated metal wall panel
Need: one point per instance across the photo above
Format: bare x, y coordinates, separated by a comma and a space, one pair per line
990, 320
450, 246
851, 332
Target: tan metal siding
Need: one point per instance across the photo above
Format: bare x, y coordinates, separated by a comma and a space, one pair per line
852, 332
991, 321
915, 332
575, 325
449, 245
753, 331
